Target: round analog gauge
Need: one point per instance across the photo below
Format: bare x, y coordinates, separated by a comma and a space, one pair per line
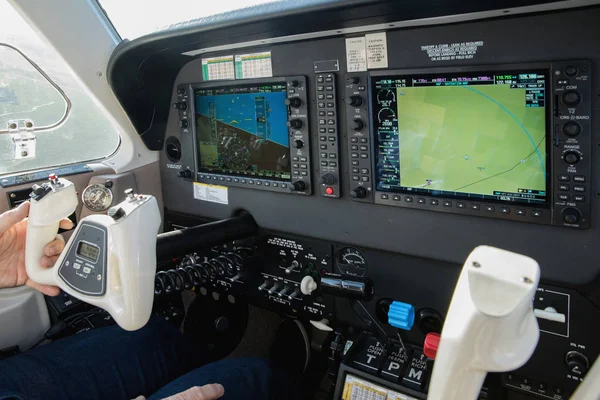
350, 261
97, 197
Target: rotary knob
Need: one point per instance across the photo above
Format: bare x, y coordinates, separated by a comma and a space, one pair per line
577, 363
298, 186
354, 101
293, 102
571, 157
327, 179
571, 129
298, 144
358, 192
295, 124
571, 98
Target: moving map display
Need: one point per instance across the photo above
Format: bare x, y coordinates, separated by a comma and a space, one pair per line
467, 135
242, 131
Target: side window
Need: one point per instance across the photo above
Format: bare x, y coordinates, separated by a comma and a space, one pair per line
26, 95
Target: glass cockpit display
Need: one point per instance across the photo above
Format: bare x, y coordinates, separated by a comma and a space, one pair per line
241, 131
463, 135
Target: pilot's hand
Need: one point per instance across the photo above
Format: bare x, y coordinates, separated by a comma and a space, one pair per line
13, 227
213, 391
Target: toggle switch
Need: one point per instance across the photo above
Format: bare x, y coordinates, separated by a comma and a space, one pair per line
275, 288
550, 314
284, 291
294, 267
263, 286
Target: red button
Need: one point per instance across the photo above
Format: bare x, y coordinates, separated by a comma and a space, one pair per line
430, 347
329, 190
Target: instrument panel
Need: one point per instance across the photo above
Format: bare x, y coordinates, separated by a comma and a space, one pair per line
403, 148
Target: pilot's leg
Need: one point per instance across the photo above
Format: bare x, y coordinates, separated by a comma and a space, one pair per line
242, 378
107, 363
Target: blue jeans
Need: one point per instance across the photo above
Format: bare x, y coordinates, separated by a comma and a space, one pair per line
111, 363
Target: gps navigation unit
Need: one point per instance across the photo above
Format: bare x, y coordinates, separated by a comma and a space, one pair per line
477, 135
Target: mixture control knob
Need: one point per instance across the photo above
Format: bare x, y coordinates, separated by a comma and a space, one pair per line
353, 80
354, 101
183, 124
181, 106
571, 98
298, 144
298, 186
571, 215
358, 124
571, 128
571, 157
327, 179
293, 102
295, 124
186, 173
577, 363
358, 192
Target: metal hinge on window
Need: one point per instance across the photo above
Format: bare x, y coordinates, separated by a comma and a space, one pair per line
23, 138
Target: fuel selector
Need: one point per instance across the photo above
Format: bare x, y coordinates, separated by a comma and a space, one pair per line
577, 363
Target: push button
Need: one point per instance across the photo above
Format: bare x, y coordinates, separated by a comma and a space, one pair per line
395, 365
370, 356
417, 373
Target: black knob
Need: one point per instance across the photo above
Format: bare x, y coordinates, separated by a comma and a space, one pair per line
116, 213
293, 102
186, 173
295, 123
298, 144
571, 98
294, 83
571, 215
571, 129
327, 179
182, 106
183, 124
570, 71
358, 193
298, 186
577, 363
358, 124
353, 80
181, 91
571, 157
354, 101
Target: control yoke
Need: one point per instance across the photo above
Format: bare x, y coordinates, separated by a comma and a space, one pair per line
490, 325
106, 262
110, 260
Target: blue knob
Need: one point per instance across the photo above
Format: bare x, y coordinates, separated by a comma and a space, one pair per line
401, 315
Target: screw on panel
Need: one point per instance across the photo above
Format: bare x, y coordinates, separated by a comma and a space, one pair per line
476, 264
99, 277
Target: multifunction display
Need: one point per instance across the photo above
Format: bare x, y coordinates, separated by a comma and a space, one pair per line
476, 135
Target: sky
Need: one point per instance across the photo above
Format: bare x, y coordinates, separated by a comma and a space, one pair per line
131, 23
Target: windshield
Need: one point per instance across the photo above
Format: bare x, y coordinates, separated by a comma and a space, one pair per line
134, 18
25, 93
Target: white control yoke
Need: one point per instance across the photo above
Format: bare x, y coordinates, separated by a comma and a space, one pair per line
490, 325
109, 261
